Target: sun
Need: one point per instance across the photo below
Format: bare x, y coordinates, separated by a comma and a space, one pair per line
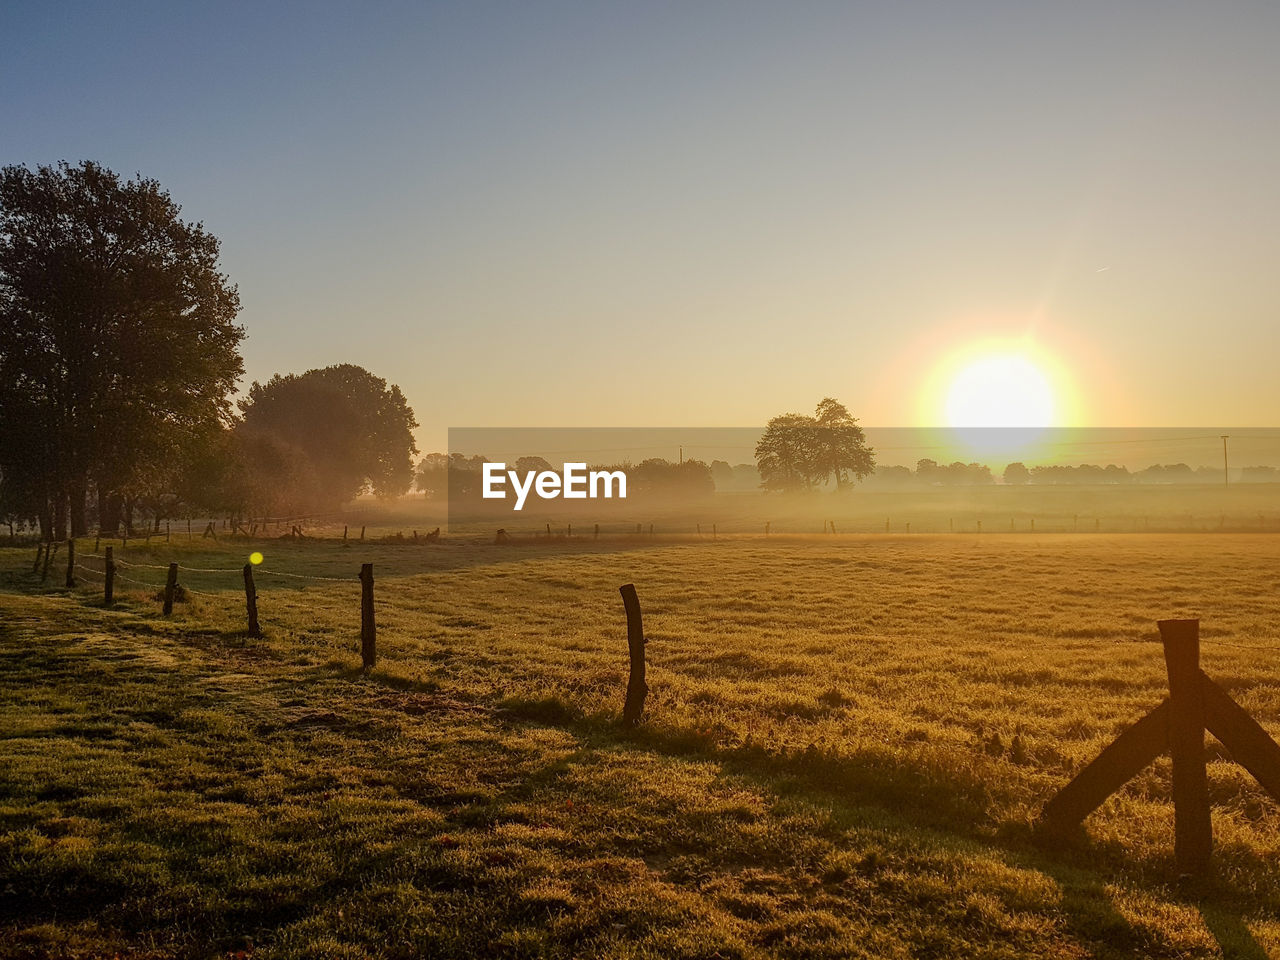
1005, 389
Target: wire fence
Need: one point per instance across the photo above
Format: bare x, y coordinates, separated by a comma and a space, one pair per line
174, 586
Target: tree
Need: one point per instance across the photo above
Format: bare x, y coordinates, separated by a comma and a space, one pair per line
786, 453
797, 451
722, 474
842, 449
356, 431
1017, 473
118, 344
658, 477
525, 465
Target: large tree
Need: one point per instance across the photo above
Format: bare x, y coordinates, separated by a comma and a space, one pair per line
797, 452
118, 346
842, 450
787, 452
356, 430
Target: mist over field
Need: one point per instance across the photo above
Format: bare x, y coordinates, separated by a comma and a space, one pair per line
377, 579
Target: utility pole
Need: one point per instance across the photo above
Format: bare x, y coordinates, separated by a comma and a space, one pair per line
1226, 477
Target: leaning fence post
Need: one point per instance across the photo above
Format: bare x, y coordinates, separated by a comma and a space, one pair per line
71, 563
1177, 725
109, 588
251, 601
49, 548
1193, 836
368, 630
170, 587
637, 689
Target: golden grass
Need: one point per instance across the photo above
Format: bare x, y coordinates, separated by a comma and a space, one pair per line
846, 742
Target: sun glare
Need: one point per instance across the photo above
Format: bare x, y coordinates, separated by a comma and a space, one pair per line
1000, 390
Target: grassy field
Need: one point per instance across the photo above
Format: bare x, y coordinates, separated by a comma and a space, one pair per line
847, 740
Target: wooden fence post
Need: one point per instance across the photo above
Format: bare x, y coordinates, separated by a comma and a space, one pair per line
109, 587
1193, 837
1120, 762
597, 535
251, 601
637, 689
344, 534
166, 531
97, 542
362, 534
1177, 725
170, 587
71, 563
368, 629
35, 567
49, 549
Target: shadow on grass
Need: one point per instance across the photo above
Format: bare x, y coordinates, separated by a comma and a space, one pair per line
1234, 937
950, 803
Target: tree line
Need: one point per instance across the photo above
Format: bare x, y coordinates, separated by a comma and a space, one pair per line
119, 358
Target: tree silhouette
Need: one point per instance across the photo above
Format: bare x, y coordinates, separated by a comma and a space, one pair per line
356, 431
842, 449
1017, 473
786, 453
118, 347
797, 451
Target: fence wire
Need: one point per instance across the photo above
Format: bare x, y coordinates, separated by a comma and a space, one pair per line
303, 576
1263, 647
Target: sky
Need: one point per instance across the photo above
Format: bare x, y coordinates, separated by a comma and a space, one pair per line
704, 214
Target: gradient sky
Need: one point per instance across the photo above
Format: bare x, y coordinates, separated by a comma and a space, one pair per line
702, 213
